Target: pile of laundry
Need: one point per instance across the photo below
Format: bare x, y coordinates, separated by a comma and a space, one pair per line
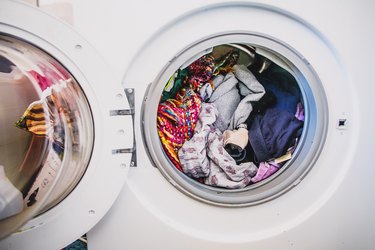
225, 126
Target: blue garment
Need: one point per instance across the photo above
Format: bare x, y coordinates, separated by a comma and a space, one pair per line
284, 87
5, 65
272, 133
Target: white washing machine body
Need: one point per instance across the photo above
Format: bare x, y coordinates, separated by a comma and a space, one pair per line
329, 206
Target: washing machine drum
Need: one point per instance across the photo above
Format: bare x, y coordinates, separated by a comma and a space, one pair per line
53, 146
235, 120
231, 118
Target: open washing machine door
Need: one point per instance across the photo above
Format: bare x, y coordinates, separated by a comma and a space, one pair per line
66, 133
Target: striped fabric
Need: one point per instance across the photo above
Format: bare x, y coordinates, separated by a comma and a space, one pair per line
34, 119
49, 116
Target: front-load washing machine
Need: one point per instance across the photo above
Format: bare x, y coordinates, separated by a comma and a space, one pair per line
181, 195
63, 156
212, 84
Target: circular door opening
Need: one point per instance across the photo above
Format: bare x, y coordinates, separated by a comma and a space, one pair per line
46, 136
239, 120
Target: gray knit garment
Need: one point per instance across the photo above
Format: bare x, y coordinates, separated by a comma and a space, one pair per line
234, 96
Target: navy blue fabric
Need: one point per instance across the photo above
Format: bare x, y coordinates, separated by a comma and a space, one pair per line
272, 133
283, 86
266, 102
5, 65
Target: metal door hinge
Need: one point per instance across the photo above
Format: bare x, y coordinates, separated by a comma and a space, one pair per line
130, 111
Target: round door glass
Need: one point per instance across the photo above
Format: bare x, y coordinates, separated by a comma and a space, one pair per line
46, 132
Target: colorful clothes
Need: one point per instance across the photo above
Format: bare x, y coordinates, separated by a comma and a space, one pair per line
175, 83
225, 63
178, 113
176, 121
34, 119
200, 72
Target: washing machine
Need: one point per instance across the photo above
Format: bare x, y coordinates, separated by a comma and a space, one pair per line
320, 199
316, 195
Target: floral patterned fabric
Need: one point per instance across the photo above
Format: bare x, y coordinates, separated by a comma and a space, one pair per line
204, 155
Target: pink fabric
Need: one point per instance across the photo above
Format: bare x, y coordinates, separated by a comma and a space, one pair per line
300, 112
42, 81
265, 169
46, 80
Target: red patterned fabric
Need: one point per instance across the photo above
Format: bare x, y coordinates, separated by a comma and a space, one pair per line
200, 72
177, 117
176, 122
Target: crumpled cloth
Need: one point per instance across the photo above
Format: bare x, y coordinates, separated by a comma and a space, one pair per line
224, 64
174, 84
233, 95
265, 170
206, 91
194, 77
272, 133
35, 119
176, 120
200, 72
283, 84
300, 112
204, 155
180, 104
